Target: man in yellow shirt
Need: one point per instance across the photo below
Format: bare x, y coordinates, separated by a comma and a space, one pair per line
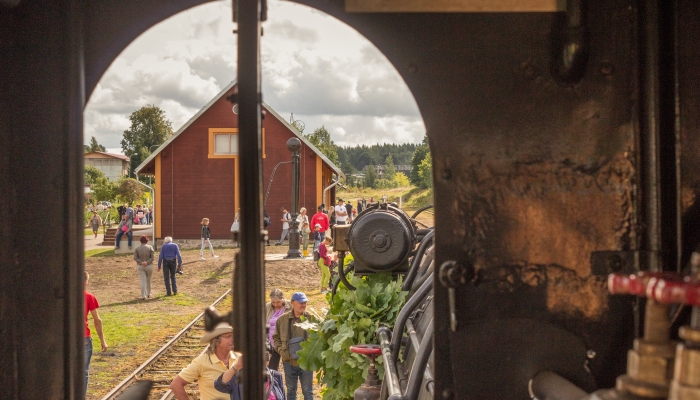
209, 366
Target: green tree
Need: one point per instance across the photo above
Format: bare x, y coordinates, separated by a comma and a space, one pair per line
418, 155
371, 177
389, 169
94, 146
401, 180
103, 189
321, 138
297, 123
129, 190
92, 175
149, 127
425, 170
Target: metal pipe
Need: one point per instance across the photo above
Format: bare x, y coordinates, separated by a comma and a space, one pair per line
550, 386
415, 265
407, 309
250, 266
153, 225
420, 363
391, 378
413, 337
420, 210
325, 191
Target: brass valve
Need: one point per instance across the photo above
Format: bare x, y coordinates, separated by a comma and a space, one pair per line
650, 362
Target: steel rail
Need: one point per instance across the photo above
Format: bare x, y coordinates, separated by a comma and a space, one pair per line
132, 378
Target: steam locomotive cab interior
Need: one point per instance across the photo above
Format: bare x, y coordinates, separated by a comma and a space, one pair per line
564, 137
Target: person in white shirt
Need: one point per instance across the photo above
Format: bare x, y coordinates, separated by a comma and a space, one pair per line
341, 214
286, 219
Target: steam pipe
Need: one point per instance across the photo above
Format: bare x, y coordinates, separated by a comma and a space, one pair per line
415, 379
391, 378
427, 375
415, 265
407, 309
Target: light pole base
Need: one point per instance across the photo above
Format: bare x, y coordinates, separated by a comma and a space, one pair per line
293, 254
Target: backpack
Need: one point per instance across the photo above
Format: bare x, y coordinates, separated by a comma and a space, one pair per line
266, 221
317, 256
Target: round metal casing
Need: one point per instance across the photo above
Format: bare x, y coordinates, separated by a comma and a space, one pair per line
381, 240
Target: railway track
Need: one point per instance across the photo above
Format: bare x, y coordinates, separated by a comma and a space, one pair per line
168, 361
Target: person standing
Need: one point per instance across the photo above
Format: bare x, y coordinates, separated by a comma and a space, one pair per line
206, 238
124, 228
341, 214
286, 219
277, 306
305, 231
317, 237
95, 222
361, 205
171, 261
91, 306
235, 228
288, 338
208, 366
321, 219
324, 263
144, 255
348, 209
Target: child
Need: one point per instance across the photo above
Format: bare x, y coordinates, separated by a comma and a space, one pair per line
205, 238
305, 238
317, 236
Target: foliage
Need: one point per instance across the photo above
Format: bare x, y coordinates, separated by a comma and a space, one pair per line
102, 188
363, 155
389, 169
149, 127
129, 190
418, 156
297, 124
371, 177
401, 180
353, 318
321, 138
94, 146
92, 175
425, 171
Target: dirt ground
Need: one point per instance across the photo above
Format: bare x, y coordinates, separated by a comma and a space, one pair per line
136, 328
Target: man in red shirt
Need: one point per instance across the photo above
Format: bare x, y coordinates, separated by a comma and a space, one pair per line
322, 219
91, 306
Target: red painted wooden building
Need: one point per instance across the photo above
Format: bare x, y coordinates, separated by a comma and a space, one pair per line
196, 172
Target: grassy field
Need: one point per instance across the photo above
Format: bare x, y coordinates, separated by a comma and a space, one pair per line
411, 197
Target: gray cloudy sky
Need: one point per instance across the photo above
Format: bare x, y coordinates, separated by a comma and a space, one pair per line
313, 66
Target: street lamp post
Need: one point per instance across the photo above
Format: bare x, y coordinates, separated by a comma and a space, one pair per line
294, 145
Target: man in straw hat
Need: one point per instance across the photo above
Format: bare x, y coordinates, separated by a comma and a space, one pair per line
207, 367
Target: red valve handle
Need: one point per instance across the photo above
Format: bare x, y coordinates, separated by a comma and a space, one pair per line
367, 349
675, 292
662, 287
640, 284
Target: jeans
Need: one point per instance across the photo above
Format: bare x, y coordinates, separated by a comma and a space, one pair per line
119, 237
169, 268
88, 356
291, 375
323, 237
285, 233
201, 251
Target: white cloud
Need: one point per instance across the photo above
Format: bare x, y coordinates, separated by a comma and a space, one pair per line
313, 66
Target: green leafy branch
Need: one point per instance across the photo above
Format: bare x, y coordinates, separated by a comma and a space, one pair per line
353, 318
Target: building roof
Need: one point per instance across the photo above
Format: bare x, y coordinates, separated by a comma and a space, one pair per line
119, 156
269, 110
